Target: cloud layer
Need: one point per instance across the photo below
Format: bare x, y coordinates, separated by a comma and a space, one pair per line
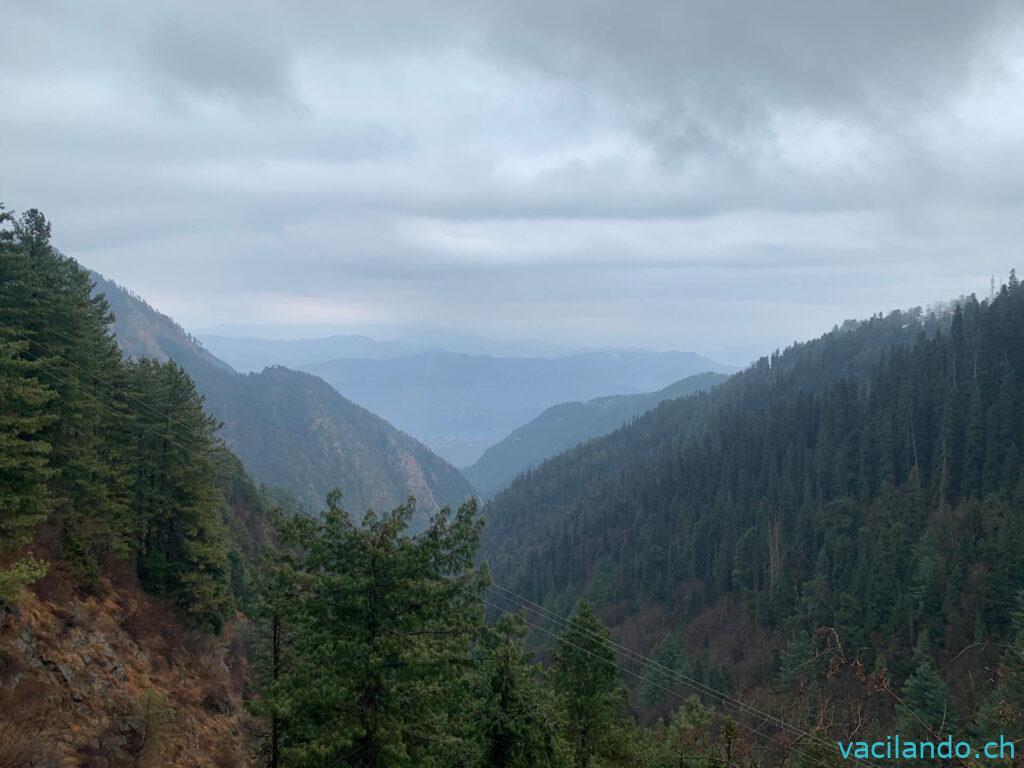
721, 177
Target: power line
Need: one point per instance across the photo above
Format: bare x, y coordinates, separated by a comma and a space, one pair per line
648, 680
100, 379
724, 698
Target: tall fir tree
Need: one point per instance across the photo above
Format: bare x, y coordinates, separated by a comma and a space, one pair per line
518, 724
383, 623
46, 301
23, 450
691, 740
927, 704
25, 500
183, 550
585, 677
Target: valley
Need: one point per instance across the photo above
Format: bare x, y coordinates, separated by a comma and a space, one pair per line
293, 431
511, 385
727, 538
461, 404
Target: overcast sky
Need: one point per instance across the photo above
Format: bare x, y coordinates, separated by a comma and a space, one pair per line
711, 176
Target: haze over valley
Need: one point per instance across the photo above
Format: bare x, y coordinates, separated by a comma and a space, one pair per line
465, 395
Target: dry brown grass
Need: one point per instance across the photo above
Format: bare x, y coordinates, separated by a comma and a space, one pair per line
22, 725
112, 679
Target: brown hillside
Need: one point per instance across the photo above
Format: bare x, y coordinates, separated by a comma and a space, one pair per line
113, 679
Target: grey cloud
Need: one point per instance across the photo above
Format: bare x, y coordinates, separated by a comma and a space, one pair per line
694, 174
218, 60
740, 60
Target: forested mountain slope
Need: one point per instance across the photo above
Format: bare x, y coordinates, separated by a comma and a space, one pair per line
841, 553
127, 537
869, 481
291, 429
461, 404
567, 424
541, 500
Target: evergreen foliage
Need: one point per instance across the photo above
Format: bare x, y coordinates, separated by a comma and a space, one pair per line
381, 627
46, 304
176, 504
520, 723
928, 702
670, 661
690, 739
109, 460
864, 490
565, 425
588, 685
870, 481
26, 500
1003, 709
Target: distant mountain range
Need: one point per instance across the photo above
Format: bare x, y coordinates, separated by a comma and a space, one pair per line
251, 354
291, 429
461, 404
565, 425
415, 338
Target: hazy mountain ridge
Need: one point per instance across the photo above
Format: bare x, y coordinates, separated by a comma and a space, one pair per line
413, 336
142, 331
291, 429
251, 354
462, 404
562, 426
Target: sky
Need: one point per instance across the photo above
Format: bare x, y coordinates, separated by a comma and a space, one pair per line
719, 177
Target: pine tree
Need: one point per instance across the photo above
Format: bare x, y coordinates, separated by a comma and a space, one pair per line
382, 624
23, 453
176, 504
518, 722
586, 680
46, 302
277, 591
927, 708
659, 678
687, 740
117, 459
25, 498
